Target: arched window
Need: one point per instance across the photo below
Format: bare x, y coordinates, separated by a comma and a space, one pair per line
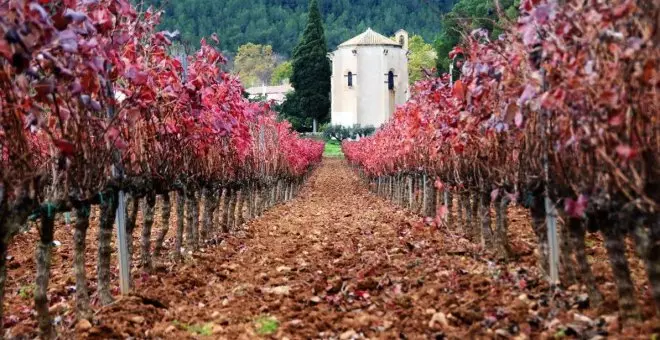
390, 80
402, 40
350, 79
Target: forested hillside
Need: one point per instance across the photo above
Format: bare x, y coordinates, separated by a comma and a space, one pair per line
281, 22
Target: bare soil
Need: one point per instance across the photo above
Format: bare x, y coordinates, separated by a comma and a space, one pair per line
337, 262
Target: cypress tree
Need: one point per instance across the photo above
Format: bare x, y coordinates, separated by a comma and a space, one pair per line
311, 69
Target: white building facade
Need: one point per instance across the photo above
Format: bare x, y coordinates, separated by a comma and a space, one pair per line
369, 79
276, 93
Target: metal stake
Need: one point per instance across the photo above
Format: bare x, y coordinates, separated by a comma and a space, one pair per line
553, 243
124, 270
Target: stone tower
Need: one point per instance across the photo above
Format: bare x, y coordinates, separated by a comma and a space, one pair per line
369, 78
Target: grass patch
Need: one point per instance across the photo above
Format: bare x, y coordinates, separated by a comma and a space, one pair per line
332, 149
26, 292
266, 325
196, 329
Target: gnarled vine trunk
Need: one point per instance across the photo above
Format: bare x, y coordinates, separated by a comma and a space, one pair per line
448, 200
475, 228
180, 209
537, 211
147, 224
210, 205
11, 218
195, 225
486, 230
225, 210
132, 206
616, 252
44, 254
231, 214
429, 197
468, 215
263, 200
239, 207
107, 220
502, 227
250, 203
190, 216
83, 310
568, 276
648, 247
166, 211
577, 231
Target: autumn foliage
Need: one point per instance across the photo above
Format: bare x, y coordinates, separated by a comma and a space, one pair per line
565, 105
93, 103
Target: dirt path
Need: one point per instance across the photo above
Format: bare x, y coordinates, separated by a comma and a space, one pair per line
335, 262
338, 262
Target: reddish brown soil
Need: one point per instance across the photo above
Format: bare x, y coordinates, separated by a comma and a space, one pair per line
335, 263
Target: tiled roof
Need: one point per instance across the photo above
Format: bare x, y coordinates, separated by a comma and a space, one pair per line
369, 37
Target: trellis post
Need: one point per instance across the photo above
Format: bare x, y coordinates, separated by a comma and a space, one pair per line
120, 217
550, 209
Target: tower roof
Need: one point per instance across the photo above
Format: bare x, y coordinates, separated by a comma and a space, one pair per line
370, 37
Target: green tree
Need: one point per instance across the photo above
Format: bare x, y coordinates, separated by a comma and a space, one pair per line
281, 73
280, 23
290, 110
467, 15
254, 63
422, 57
311, 69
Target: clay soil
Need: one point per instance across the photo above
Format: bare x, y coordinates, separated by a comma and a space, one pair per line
337, 262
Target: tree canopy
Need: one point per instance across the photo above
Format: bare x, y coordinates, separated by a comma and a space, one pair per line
282, 72
311, 69
465, 16
254, 64
280, 23
422, 57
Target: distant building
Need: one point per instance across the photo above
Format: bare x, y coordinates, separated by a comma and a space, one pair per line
276, 93
369, 78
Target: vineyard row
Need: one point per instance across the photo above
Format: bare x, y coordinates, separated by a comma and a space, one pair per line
560, 114
96, 104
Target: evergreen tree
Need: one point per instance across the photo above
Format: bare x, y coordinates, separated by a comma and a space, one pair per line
311, 69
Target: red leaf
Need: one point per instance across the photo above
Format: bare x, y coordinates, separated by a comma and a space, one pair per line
439, 185
44, 88
617, 120
528, 94
459, 90
112, 134
442, 212
576, 208
518, 119
494, 194
137, 76
456, 51
650, 74
543, 13
120, 144
626, 152
64, 113
622, 9
5, 49
66, 148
